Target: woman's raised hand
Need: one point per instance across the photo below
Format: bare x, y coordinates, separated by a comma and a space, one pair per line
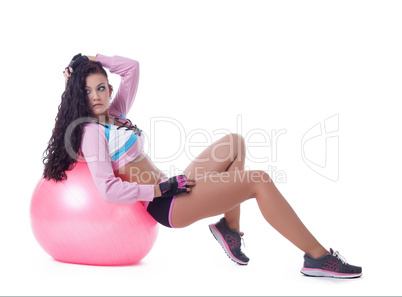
76, 61
68, 71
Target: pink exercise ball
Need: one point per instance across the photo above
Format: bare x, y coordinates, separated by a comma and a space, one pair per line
74, 224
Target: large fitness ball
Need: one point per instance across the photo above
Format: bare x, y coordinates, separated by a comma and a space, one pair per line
74, 224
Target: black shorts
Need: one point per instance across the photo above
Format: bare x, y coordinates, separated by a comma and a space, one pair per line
161, 210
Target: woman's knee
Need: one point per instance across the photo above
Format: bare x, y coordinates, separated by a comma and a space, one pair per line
238, 144
261, 182
253, 178
237, 140
259, 176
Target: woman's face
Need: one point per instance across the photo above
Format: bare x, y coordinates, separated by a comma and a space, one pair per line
98, 92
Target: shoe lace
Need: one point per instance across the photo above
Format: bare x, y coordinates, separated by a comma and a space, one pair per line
243, 241
337, 255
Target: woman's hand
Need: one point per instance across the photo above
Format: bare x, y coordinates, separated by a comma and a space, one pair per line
68, 71
174, 186
76, 61
190, 183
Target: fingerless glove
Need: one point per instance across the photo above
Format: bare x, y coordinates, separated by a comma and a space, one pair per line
173, 186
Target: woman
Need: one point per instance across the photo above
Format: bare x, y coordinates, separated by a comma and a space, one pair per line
215, 183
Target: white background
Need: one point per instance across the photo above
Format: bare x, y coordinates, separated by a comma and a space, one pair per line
280, 65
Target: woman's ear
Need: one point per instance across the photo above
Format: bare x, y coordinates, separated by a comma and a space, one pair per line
110, 90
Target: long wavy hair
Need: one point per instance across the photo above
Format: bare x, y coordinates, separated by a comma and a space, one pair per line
73, 109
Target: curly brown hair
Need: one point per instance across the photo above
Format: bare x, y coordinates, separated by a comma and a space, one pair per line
74, 106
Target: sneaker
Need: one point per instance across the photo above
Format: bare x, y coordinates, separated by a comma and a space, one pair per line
230, 241
330, 265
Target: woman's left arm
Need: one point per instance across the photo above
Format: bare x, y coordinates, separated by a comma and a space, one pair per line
129, 72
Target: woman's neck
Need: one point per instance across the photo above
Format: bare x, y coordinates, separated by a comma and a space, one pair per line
106, 119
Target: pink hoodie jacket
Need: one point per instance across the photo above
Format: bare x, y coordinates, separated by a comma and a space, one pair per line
94, 145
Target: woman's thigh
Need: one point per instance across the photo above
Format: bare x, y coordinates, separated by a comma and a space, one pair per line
215, 194
217, 157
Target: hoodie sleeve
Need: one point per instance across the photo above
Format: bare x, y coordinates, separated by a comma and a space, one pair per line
129, 71
113, 189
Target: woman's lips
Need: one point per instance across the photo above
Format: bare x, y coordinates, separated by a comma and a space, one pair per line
96, 105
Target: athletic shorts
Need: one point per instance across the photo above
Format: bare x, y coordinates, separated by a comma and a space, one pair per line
161, 210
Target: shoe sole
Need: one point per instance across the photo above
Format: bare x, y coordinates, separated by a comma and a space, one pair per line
323, 273
218, 236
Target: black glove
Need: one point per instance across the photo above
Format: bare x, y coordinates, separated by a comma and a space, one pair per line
173, 186
76, 61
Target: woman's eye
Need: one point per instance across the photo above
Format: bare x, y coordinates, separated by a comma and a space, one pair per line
101, 88
87, 91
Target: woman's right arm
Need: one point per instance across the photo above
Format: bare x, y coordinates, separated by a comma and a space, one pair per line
113, 189
128, 70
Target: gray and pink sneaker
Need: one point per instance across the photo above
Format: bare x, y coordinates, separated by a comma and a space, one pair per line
330, 265
230, 241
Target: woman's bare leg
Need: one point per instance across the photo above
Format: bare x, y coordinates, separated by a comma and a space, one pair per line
219, 193
226, 154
